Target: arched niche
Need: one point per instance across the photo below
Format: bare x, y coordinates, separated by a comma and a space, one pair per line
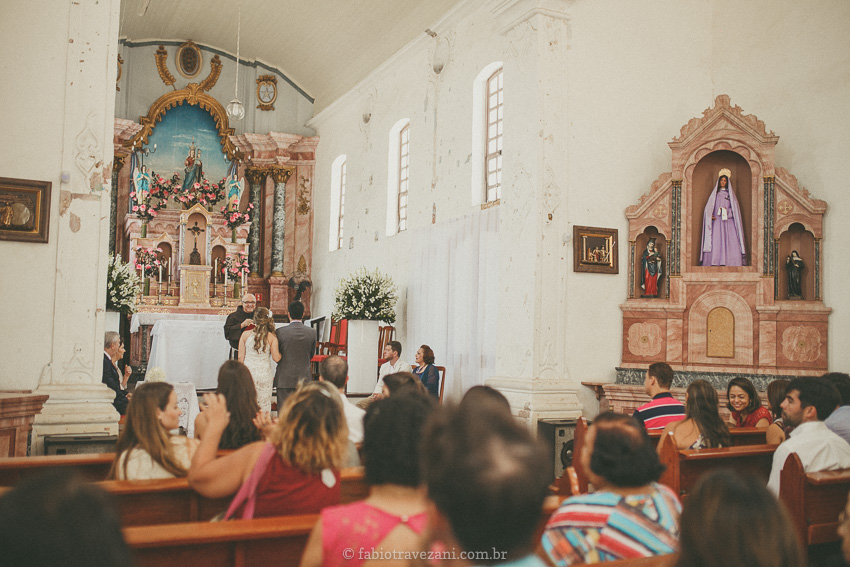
796, 237
649, 233
218, 253
189, 244
742, 328
167, 253
702, 182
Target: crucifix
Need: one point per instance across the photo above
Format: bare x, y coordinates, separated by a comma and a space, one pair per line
195, 256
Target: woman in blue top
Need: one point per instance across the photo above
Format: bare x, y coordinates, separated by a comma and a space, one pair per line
426, 371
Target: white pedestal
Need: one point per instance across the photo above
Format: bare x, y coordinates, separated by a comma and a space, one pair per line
362, 356
113, 321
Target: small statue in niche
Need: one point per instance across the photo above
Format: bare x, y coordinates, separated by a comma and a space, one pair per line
195, 256
722, 230
650, 270
795, 266
142, 181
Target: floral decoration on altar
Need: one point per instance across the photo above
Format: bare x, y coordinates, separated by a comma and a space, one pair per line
234, 218
149, 261
122, 285
203, 192
366, 295
235, 265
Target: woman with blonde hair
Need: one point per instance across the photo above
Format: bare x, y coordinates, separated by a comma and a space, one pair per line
702, 426
146, 449
297, 472
255, 347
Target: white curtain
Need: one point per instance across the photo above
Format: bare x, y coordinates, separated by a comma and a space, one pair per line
452, 297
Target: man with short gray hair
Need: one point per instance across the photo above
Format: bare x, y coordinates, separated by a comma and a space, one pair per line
113, 351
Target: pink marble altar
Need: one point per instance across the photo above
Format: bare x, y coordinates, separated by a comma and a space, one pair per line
719, 318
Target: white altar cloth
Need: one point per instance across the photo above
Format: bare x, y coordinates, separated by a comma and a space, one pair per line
151, 318
189, 351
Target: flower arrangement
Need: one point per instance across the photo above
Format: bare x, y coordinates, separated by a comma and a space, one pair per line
234, 218
366, 295
235, 265
148, 261
122, 285
203, 192
146, 205
155, 374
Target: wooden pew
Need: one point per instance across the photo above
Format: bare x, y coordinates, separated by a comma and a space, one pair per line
240, 543
685, 467
739, 436
168, 501
814, 500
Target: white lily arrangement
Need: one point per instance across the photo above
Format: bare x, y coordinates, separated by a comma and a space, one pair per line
122, 286
365, 295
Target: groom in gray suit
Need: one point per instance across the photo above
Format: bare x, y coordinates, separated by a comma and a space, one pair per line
297, 343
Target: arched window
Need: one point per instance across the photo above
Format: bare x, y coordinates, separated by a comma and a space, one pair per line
398, 176
487, 133
337, 208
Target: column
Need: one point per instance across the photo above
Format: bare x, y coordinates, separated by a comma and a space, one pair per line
280, 176
79, 403
257, 178
117, 164
533, 338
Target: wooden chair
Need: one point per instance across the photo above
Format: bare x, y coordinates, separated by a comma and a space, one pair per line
442, 371
336, 344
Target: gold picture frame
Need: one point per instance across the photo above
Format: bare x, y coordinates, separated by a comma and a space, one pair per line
24, 209
595, 250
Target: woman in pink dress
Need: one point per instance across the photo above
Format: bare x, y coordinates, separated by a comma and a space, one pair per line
394, 514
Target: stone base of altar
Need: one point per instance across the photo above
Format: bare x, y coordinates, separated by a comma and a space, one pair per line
17, 412
76, 409
534, 399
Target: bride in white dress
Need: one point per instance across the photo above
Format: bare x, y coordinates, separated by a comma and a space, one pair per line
255, 347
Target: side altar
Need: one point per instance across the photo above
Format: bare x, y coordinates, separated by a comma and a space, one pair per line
725, 260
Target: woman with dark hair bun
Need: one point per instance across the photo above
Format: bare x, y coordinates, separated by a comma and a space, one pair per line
745, 405
237, 387
426, 371
629, 515
702, 426
730, 518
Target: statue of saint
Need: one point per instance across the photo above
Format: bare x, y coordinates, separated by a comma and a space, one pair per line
722, 231
193, 168
234, 191
795, 266
650, 273
142, 181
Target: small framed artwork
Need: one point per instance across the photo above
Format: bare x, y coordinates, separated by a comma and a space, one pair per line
24, 209
595, 250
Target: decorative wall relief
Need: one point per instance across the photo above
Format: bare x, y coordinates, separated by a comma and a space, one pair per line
801, 343
303, 199
645, 339
87, 149
189, 60
161, 57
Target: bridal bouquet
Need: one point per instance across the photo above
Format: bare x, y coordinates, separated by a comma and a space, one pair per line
122, 285
366, 295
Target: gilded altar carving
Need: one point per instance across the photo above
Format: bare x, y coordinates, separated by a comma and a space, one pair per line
215, 72
161, 57
281, 174
303, 199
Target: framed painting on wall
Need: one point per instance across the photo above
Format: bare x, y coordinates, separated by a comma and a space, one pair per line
24, 209
595, 250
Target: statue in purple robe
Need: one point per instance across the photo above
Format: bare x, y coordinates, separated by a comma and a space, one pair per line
722, 231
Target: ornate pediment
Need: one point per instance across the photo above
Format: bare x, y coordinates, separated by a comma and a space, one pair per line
196, 208
723, 116
657, 192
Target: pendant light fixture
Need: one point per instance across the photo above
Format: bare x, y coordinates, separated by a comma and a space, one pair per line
235, 110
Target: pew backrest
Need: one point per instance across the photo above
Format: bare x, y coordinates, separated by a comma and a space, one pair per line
738, 435
684, 467
814, 500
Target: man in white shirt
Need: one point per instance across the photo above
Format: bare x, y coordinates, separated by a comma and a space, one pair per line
393, 365
334, 369
808, 402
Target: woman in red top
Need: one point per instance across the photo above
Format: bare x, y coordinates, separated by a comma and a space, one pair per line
297, 472
745, 405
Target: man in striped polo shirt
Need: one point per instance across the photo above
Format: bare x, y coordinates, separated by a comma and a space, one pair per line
663, 408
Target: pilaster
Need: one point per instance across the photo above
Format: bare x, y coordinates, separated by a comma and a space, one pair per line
531, 364
78, 402
257, 179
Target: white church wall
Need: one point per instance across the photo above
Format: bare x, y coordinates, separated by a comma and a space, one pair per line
141, 85
34, 99
636, 74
